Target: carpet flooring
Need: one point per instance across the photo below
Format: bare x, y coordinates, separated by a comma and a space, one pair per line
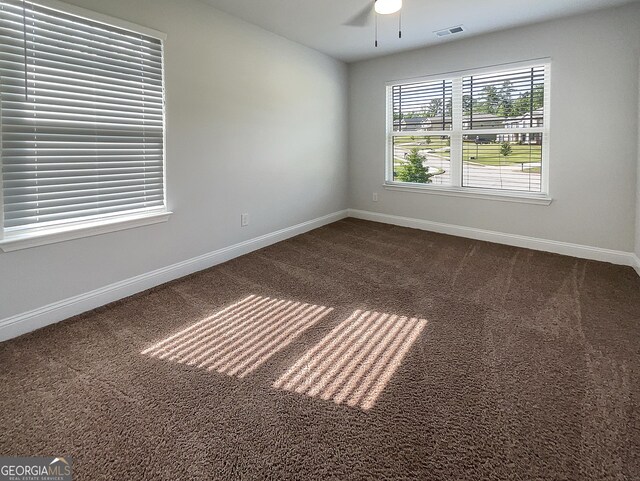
355, 351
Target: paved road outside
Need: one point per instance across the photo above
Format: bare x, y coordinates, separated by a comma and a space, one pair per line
508, 176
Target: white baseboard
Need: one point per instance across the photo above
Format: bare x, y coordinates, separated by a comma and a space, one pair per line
564, 248
636, 263
29, 321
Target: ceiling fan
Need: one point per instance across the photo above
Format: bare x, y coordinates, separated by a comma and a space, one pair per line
371, 11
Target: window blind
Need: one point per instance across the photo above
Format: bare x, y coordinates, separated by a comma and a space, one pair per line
504, 99
422, 106
82, 118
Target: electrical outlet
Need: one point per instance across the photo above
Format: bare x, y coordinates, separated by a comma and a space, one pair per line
375, 197
244, 220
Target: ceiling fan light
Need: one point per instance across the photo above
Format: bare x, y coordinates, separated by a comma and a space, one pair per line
385, 7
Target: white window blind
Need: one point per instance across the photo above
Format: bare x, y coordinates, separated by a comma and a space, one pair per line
82, 118
487, 130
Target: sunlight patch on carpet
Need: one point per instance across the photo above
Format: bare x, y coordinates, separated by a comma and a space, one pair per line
355, 361
240, 338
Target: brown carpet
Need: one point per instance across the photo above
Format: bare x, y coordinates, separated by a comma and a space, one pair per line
356, 351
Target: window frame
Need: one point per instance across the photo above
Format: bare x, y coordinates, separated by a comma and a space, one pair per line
456, 133
76, 228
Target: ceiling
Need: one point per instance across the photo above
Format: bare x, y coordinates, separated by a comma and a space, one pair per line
320, 24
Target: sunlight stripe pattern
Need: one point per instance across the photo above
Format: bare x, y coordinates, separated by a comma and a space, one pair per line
355, 361
240, 338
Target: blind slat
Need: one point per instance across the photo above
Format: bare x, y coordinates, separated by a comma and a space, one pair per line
61, 85
36, 219
25, 199
70, 25
59, 186
89, 198
50, 208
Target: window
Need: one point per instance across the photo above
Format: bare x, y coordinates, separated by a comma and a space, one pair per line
82, 120
481, 132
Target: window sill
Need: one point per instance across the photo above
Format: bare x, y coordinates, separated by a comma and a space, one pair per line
524, 198
26, 240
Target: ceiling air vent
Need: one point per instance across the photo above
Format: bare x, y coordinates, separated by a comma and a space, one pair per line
449, 31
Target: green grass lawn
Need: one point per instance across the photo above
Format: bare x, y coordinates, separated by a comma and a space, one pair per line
489, 154
484, 154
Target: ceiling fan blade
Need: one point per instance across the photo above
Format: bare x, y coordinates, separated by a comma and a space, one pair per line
362, 18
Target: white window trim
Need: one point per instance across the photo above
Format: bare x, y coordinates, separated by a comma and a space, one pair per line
456, 189
469, 192
36, 237
76, 230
